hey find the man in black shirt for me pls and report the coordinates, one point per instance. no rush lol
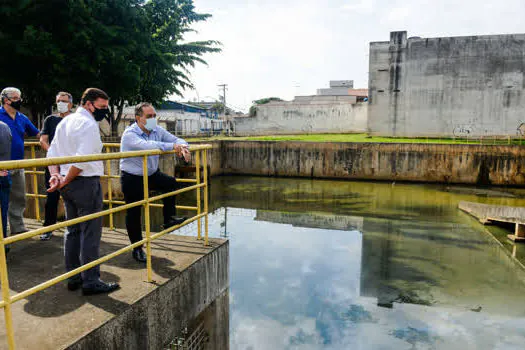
(64, 104)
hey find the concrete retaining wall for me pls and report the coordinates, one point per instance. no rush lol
(305, 117)
(157, 319)
(456, 86)
(466, 164)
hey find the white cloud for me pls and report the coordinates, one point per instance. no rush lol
(398, 15)
(361, 6)
(295, 47)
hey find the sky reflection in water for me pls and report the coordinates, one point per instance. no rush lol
(346, 265)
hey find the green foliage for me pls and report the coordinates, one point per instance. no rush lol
(132, 49)
(266, 100)
(253, 109)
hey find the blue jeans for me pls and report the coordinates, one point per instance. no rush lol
(5, 189)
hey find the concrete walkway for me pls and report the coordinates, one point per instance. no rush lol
(487, 214)
(56, 317)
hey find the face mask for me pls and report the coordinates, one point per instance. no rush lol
(16, 104)
(151, 123)
(100, 113)
(62, 107)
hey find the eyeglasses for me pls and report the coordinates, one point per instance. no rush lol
(15, 100)
(148, 116)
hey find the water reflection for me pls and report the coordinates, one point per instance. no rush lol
(350, 265)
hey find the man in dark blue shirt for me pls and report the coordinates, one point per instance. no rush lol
(5, 179)
(20, 125)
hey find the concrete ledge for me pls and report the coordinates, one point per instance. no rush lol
(487, 213)
(516, 239)
(189, 277)
(157, 318)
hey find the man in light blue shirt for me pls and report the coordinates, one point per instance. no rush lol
(144, 134)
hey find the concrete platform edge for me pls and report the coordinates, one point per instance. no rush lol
(153, 321)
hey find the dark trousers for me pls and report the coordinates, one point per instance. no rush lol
(83, 196)
(5, 189)
(51, 208)
(133, 189)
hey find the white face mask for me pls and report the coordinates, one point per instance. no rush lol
(62, 107)
(151, 123)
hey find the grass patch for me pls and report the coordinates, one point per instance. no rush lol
(367, 139)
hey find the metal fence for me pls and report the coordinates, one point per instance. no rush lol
(200, 152)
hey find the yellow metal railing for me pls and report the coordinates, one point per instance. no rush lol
(108, 147)
(200, 151)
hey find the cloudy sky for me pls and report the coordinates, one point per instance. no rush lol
(292, 47)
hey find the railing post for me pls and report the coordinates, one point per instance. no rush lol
(146, 217)
(35, 186)
(205, 167)
(110, 190)
(198, 176)
(5, 292)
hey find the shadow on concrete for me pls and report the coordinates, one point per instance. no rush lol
(32, 262)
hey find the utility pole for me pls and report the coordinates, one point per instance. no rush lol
(225, 223)
(224, 86)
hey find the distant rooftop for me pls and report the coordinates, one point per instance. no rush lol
(358, 92)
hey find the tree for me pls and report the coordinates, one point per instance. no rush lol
(132, 49)
(32, 57)
(160, 60)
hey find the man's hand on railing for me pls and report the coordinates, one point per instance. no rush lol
(178, 150)
(186, 154)
(182, 151)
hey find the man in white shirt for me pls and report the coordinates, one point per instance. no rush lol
(79, 185)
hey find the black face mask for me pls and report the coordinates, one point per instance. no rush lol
(16, 104)
(100, 113)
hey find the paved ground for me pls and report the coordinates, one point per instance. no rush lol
(55, 317)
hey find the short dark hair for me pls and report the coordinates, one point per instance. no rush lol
(139, 109)
(92, 94)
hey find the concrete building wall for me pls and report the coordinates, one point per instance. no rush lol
(313, 116)
(318, 99)
(337, 88)
(457, 86)
(342, 83)
(336, 91)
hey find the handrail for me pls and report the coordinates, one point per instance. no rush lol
(200, 150)
(105, 144)
(42, 162)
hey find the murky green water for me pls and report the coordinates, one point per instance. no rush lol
(356, 265)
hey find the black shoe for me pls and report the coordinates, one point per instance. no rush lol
(100, 287)
(46, 236)
(174, 221)
(139, 255)
(74, 284)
